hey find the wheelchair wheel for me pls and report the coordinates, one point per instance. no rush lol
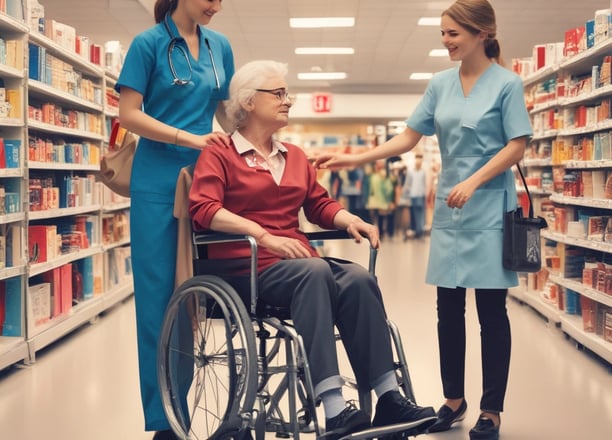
(207, 366)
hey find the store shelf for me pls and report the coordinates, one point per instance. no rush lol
(572, 325)
(12, 351)
(76, 100)
(38, 268)
(117, 294)
(587, 291)
(60, 326)
(565, 107)
(10, 272)
(534, 300)
(62, 212)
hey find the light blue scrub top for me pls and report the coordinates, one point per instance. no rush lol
(190, 107)
(466, 244)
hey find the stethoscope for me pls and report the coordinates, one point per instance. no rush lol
(172, 45)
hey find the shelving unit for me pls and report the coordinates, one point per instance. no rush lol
(63, 129)
(576, 125)
(14, 348)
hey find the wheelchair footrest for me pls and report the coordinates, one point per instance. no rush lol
(394, 432)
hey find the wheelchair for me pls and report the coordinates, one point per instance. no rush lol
(229, 366)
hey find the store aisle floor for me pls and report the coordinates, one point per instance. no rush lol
(85, 387)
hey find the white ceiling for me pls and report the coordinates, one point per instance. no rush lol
(388, 44)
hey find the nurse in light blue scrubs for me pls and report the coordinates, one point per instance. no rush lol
(477, 111)
(172, 83)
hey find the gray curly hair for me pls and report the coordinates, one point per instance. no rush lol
(245, 81)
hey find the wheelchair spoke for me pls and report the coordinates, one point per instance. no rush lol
(207, 317)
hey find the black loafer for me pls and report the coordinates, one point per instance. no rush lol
(350, 420)
(484, 429)
(447, 417)
(165, 435)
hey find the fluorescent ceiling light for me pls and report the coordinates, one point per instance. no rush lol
(423, 75)
(321, 75)
(324, 51)
(319, 22)
(438, 52)
(429, 21)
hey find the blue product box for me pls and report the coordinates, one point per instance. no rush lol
(589, 28)
(11, 151)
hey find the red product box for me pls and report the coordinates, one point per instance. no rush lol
(589, 313)
(38, 243)
(539, 56)
(572, 40)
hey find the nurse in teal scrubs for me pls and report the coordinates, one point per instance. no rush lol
(478, 113)
(174, 79)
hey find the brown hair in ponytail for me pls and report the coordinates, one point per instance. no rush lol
(478, 16)
(163, 7)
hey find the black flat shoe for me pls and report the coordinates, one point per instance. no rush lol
(165, 435)
(447, 417)
(484, 429)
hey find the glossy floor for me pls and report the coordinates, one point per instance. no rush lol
(85, 387)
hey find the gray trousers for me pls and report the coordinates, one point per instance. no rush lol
(321, 293)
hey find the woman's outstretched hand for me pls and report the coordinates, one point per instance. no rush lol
(333, 161)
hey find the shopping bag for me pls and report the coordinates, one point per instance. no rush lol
(116, 165)
(521, 244)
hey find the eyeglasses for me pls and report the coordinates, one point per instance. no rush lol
(281, 94)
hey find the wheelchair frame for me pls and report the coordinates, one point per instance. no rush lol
(234, 375)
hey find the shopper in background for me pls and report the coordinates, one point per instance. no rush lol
(174, 79)
(416, 180)
(381, 199)
(257, 188)
(478, 113)
(403, 204)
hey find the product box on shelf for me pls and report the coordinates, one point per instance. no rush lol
(38, 305)
(607, 333)
(575, 41)
(589, 313)
(53, 277)
(12, 307)
(589, 30)
(37, 16)
(42, 243)
(601, 25)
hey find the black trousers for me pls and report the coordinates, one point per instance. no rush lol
(495, 341)
(321, 293)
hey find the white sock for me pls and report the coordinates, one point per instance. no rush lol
(333, 402)
(386, 382)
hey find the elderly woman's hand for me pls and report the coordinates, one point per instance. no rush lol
(284, 247)
(359, 229)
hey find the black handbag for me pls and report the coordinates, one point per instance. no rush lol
(521, 246)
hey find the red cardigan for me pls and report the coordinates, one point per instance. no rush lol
(222, 178)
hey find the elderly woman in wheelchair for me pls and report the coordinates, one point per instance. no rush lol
(257, 188)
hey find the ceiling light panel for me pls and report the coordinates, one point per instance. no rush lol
(421, 75)
(308, 76)
(322, 22)
(429, 21)
(324, 51)
(438, 52)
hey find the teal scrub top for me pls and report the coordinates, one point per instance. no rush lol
(190, 107)
(466, 244)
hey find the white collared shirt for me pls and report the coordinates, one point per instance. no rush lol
(274, 163)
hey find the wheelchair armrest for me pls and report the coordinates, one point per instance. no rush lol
(203, 238)
(343, 235)
(206, 238)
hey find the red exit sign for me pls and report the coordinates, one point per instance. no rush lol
(321, 102)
